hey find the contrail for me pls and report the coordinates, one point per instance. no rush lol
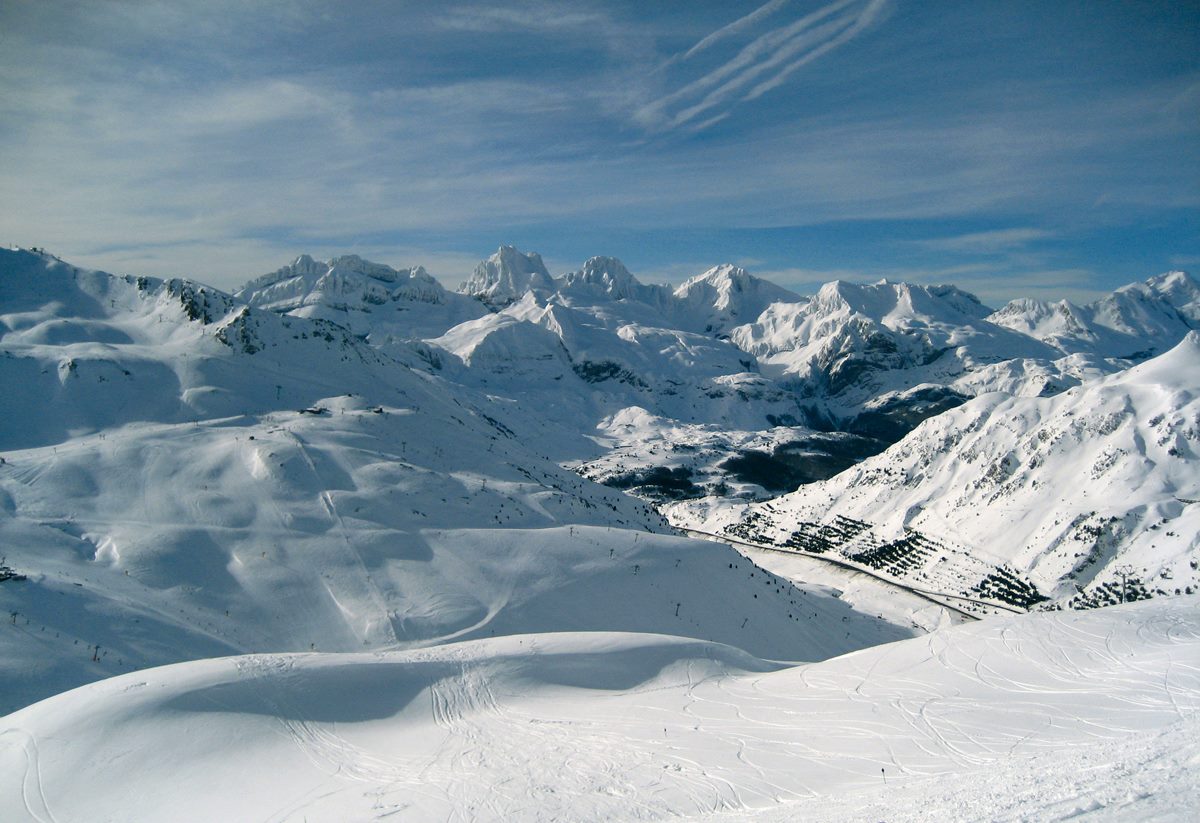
(807, 41)
(782, 50)
(736, 26)
(865, 19)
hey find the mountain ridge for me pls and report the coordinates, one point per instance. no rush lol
(1082, 498)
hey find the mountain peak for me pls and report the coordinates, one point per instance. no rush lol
(506, 275)
(723, 275)
(348, 266)
(606, 274)
(1179, 365)
(1168, 282)
(367, 298)
(731, 296)
(1178, 288)
(890, 298)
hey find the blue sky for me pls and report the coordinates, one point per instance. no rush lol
(1013, 148)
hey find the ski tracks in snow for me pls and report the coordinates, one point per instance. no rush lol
(24, 745)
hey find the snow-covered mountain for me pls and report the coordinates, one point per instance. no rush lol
(185, 476)
(371, 300)
(363, 493)
(507, 275)
(881, 357)
(605, 279)
(1134, 322)
(875, 359)
(1088, 497)
(726, 296)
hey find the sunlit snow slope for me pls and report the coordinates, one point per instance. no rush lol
(1036, 716)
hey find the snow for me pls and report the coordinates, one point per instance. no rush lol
(371, 300)
(577, 362)
(606, 278)
(726, 296)
(661, 458)
(507, 275)
(1134, 322)
(853, 342)
(1034, 716)
(875, 359)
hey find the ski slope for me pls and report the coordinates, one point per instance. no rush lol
(1029, 717)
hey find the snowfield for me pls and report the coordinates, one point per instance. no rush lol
(1089, 714)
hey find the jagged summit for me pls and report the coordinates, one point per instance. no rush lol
(859, 343)
(372, 300)
(506, 275)
(305, 265)
(606, 275)
(1179, 287)
(898, 301)
(342, 280)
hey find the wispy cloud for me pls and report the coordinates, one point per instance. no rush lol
(987, 242)
(761, 65)
(532, 16)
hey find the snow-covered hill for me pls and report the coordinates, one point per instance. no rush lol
(1087, 497)
(1033, 717)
